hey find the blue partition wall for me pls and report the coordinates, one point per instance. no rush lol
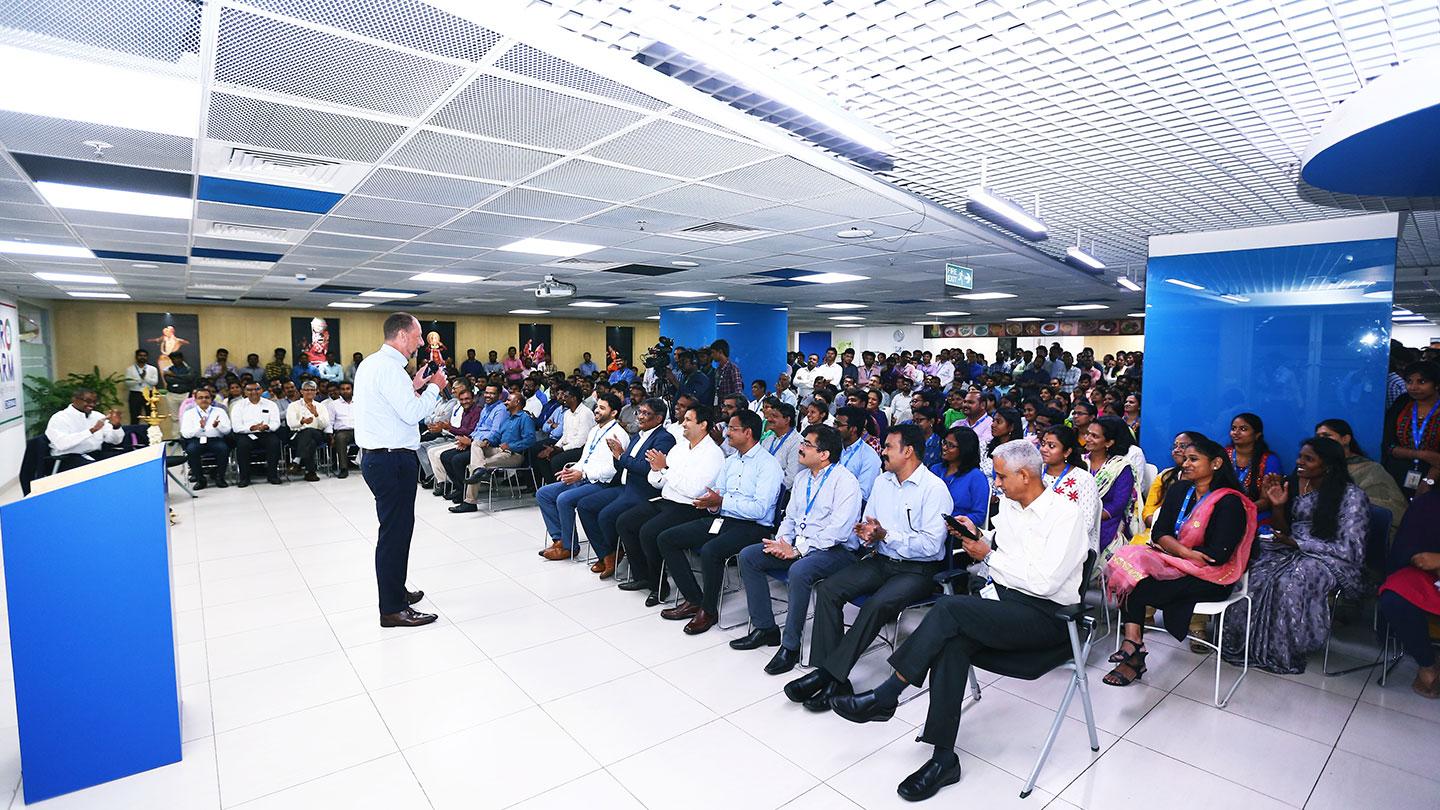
(1292, 326)
(756, 333)
(814, 343)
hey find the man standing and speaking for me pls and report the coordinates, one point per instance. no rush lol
(389, 407)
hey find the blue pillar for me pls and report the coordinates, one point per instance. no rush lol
(1290, 322)
(756, 333)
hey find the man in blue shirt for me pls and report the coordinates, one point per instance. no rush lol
(623, 374)
(743, 504)
(587, 366)
(857, 457)
(515, 436)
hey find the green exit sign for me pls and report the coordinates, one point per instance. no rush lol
(959, 276)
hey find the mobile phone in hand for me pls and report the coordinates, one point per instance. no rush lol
(960, 527)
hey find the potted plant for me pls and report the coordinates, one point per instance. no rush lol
(45, 398)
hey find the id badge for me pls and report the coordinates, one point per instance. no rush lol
(716, 524)
(204, 438)
(1412, 479)
(989, 592)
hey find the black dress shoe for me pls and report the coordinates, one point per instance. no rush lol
(343, 474)
(652, 600)
(756, 639)
(243, 482)
(426, 483)
(861, 708)
(927, 781)
(637, 585)
(274, 480)
(461, 508)
(821, 702)
(221, 483)
(785, 660)
(477, 475)
(199, 485)
(808, 685)
(411, 597)
(408, 617)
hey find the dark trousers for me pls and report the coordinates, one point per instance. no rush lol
(1410, 625)
(70, 461)
(247, 444)
(341, 441)
(801, 577)
(1174, 598)
(218, 449)
(956, 628)
(639, 530)
(599, 512)
(137, 407)
(455, 461)
(715, 549)
(892, 585)
(306, 441)
(391, 478)
(545, 468)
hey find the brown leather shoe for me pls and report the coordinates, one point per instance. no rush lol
(597, 566)
(409, 617)
(557, 552)
(684, 610)
(553, 544)
(703, 621)
(608, 570)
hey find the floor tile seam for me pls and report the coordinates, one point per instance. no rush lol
(1209, 705)
(305, 589)
(1367, 757)
(1203, 770)
(608, 681)
(317, 778)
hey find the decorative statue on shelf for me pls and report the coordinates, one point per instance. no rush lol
(435, 349)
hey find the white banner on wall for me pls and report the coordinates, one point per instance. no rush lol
(11, 406)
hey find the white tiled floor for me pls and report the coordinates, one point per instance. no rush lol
(542, 687)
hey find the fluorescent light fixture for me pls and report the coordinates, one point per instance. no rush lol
(98, 295)
(1006, 214)
(57, 86)
(949, 313)
(350, 304)
(686, 264)
(385, 294)
(688, 309)
(684, 294)
(1025, 319)
(840, 306)
(529, 312)
(447, 278)
(1411, 319)
(830, 278)
(114, 201)
(848, 325)
(1124, 281)
(75, 278)
(145, 265)
(1235, 299)
(230, 287)
(235, 264)
(38, 249)
(550, 247)
(924, 323)
(1084, 261)
(1082, 307)
(593, 304)
(652, 317)
(985, 296)
(1187, 285)
(847, 317)
(1135, 315)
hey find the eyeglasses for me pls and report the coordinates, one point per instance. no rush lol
(808, 443)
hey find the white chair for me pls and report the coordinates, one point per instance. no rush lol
(1213, 609)
(1149, 478)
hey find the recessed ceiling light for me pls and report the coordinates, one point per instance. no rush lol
(652, 317)
(114, 201)
(1136, 315)
(72, 89)
(925, 323)
(782, 309)
(37, 249)
(529, 312)
(550, 247)
(447, 278)
(231, 287)
(593, 304)
(686, 264)
(386, 294)
(1025, 319)
(687, 309)
(830, 278)
(145, 265)
(847, 317)
(75, 278)
(1082, 307)
(236, 264)
(949, 313)
(1124, 281)
(1187, 285)
(849, 325)
(985, 296)
(98, 295)
(839, 306)
(350, 305)
(855, 233)
(684, 294)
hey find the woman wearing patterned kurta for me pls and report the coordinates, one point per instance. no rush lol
(1066, 473)
(1320, 519)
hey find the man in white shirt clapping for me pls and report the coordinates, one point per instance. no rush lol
(254, 422)
(203, 429)
(309, 421)
(78, 435)
(591, 473)
(342, 427)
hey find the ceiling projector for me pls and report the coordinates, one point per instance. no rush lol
(550, 287)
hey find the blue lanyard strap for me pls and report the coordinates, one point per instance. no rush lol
(776, 443)
(809, 498)
(1417, 427)
(599, 438)
(1185, 510)
(849, 453)
(1059, 479)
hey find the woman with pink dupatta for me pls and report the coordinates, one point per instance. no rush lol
(1200, 545)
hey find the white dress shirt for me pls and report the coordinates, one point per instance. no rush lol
(901, 409)
(141, 378)
(196, 422)
(804, 381)
(1040, 549)
(297, 411)
(596, 463)
(688, 470)
(910, 513)
(244, 413)
(946, 372)
(69, 432)
(388, 410)
(789, 397)
(342, 414)
(832, 372)
(577, 425)
(984, 429)
(822, 511)
(785, 450)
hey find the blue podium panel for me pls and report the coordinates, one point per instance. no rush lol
(87, 574)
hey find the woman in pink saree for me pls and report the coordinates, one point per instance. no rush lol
(1200, 545)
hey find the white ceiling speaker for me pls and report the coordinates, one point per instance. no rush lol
(550, 287)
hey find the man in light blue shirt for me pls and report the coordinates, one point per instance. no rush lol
(743, 500)
(587, 366)
(389, 407)
(857, 457)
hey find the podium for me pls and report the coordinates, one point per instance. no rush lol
(92, 628)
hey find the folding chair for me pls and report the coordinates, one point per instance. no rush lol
(1213, 609)
(1377, 536)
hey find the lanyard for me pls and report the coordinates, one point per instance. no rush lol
(777, 442)
(846, 455)
(1243, 473)
(1059, 479)
(810, 499)
(599, 438)
(1417, 427)
(1185, 509)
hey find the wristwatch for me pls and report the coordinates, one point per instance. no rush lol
(1429, 482)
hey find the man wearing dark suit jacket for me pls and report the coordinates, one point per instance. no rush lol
(599, 511)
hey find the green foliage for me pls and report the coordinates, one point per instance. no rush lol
(44, 398)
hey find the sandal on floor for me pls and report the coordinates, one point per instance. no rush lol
(1120, 654)
(1135, 663)
(1433, 693)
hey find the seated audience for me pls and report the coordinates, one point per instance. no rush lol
(1068, 475)
(1370, 476)
(925, 420)
(1036, 557)
(959, 469)
(1320, 519)
(1163, 481)
(254, 426)
(309, 422)
(439, 431)
(815, 413)
(203, 430)
(342, 426)
(743, 497)
(1410, 596)
(1005, 425)
(1251, 457)
(79, 435)
(517, 434)
(858, 457)
(576, 422)
(780, 439)
(1108, 443)
(1199, 549)
(1412, 433)
(600, 511)
(456, 448)
(592, 471)
(903, 533)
